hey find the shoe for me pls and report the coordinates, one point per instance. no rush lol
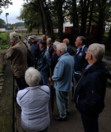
(58, 118)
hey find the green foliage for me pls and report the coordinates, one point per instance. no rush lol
(4, 40)
(2, 23)
(29, 14)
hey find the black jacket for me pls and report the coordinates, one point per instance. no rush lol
(90, 90)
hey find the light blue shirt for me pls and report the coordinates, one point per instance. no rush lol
(79, 49)
(63, 72)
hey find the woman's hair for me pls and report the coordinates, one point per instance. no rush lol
(97, 51)
(32, 76)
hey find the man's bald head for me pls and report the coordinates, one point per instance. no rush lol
(44, 37)
(66, 41)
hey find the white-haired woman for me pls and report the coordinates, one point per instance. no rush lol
(90, 90)
(33, 101)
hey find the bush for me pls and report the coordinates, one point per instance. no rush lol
(4, 46)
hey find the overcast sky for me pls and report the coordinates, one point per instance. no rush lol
(13, 10)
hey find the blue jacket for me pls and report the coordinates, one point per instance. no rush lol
(63, 72)
(80, 61)
(90, 90)
(51, 50)
(35, 50)
(69, 49)
(43, 62)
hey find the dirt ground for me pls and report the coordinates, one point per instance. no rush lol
(74, 123)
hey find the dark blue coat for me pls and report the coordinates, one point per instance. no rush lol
(51, 50)
(69, 49)
(90, 91)
(54, 60)
(80, 61)
(35, 50)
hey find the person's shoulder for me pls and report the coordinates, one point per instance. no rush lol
(21, 93)
(45, 88)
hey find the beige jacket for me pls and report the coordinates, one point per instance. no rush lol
(18, 56)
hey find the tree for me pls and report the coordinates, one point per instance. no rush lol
(31, 20)
(2, 23)
(5, 4)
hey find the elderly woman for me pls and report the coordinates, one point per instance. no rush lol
(33, 101)
(90, 90)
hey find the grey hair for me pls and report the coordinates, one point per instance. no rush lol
(49, 39)
(32, 76)
(56, 43)
(14, 36)
(97, 51)
(82, 38)
(62, 47)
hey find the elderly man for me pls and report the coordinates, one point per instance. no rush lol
(69, 48)
(90, 91)
(43, 62)
(17, 53)
(43, 37)
(80, 61)
(50, 46)
(62, 78)
(35, 47)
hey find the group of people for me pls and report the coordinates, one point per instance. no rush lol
(54, 62)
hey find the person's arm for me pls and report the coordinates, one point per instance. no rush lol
(9, 54)
(47, 62)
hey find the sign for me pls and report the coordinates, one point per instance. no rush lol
(13, 27)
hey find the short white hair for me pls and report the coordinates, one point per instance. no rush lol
(14, 36)
(32, 76)
(49, 39)
(97, 51)
(56, 43)
(62, 47)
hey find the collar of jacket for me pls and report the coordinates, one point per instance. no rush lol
(17, 41)
(98, 66)
(64, 54)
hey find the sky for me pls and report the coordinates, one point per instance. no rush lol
(13, 10)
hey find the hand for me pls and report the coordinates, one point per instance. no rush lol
(80, 74)
(50, 79)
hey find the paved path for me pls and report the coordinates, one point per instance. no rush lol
(74, 124)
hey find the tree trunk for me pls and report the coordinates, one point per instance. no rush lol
(41, 18)
(101, 20)
(60, 19)
(75, 19)
(49, 29)
(84, 17)
(90, 18)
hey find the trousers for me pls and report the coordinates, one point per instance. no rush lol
(90, 124)
(62, 99)
(21, 84)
